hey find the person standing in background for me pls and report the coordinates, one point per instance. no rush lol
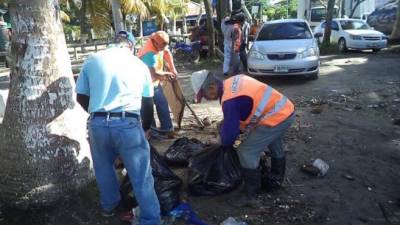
(244, 46)
(227, 28)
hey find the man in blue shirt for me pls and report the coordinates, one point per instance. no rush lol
(110, 87)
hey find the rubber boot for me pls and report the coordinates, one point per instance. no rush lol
(277, 174)
(252, 184)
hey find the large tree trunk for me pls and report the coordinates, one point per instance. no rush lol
(210, 28)
(396, 27)
(117, 15)
(44, 154)
(328, 27)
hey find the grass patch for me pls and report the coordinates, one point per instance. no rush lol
(328, 49)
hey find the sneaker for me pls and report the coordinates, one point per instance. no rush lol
(159, 130)
(162, 135)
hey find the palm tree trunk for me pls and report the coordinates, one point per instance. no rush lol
(199, 16)
(117, 15)
(44, 154)
(210, 28)
(174, 25)
(140, 26)
(328, 27)
(83, 25)
(184, 25)
(396, 27)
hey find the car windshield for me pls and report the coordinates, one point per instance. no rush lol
(354, 25)
(283, 31)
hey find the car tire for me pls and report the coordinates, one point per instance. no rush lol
(376, 50)
(342, 45)
(312, 76)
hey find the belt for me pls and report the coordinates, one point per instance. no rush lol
(116, 114)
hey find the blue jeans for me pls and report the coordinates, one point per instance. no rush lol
(110, 137)
(259, 139)
(162, 109)
(227, 58)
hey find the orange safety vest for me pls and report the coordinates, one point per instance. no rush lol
(269, 106)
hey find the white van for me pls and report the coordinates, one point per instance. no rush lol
(318, 14)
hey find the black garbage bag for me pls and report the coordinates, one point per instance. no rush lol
(166, 183)
(181, 150)
(214, 171)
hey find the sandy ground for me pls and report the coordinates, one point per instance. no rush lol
(346, 118)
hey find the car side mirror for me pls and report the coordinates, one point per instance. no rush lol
(335, 28)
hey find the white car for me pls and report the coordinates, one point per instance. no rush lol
(353, 34)
(284, 47)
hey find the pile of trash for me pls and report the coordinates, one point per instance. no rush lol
(212, 170)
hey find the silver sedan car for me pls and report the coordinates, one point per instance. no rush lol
(284, 47)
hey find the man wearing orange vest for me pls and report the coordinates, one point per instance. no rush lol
(264, 115)
(154, 54)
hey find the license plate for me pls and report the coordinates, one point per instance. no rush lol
(205, 47)
(281, 69)
(373, 45)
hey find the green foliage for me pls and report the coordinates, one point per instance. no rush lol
(280, 11)
(72, 11)
(72, 28)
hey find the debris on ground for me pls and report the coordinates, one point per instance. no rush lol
(179, 153)
(233, 221)
(348, 177)
(317, 168)
(316, 110)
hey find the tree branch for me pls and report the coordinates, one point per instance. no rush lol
(353, 10)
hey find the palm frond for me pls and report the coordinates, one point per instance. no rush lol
(137, 7)
(64, 16)
(99, 11)
(177, 8)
